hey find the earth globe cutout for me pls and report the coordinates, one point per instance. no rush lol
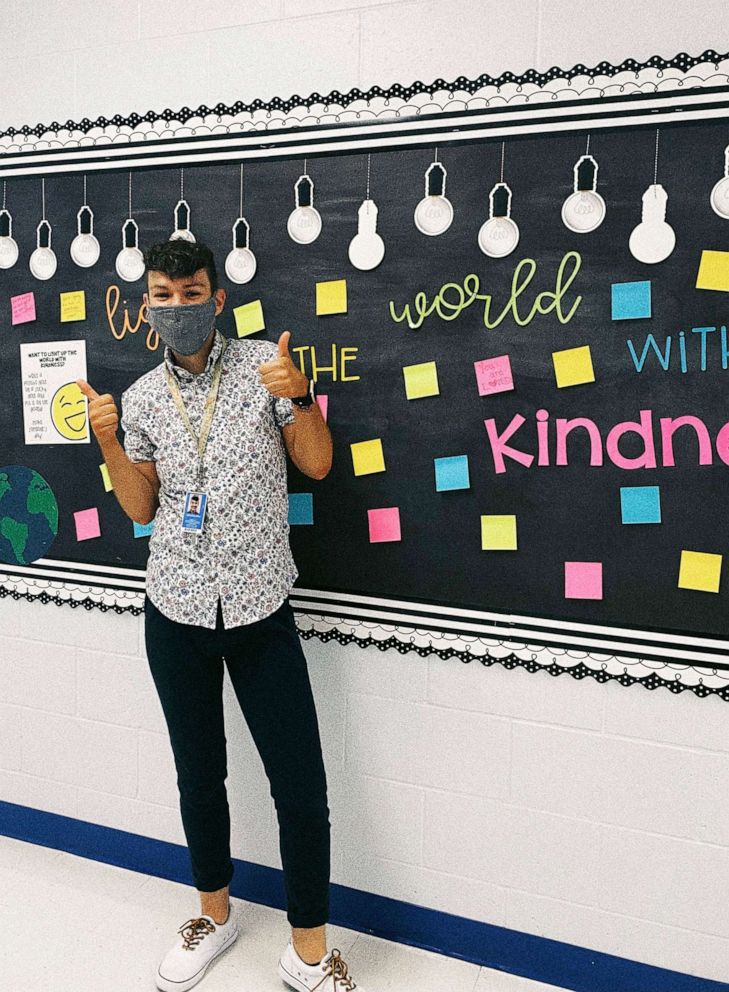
(28, 515)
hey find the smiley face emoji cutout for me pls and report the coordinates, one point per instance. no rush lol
(68, 412)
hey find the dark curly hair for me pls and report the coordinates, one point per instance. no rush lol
(177, 258)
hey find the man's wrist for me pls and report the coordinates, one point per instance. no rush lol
(307, 399)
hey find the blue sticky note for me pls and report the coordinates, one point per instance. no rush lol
(301, 508)
(451, 473)
(631, 300)
(640, 504)
(143, 530)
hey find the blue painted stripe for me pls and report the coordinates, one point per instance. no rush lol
(537, 958)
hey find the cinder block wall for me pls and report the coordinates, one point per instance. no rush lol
(592, 814)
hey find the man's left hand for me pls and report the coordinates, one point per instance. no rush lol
(280, 376)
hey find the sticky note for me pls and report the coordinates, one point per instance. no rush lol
(87, 524)
(249, 318)
(493, 375)
(699, 570)
(384, 524)
(367, 456)
(331, 296)
(631, 300)
(22, 308)
(143, 530)
(573, 366)
(323, 401)
(498, 532)
(713, 271)
(583, 580)
(421, 380)
(640, 504)
(105, 476)
(301, 508)
(73, 306)
(451, 473)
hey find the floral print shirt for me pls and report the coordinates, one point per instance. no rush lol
(243, 556)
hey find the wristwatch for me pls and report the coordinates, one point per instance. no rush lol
(307, 399)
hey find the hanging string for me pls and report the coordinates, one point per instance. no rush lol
(240, 212)
(368, 177)
(130, 194)
(5, 186)
(655, 164)
(502, 162)
(43, 194)
(436, 154)
(587, 148)
(85, 204)
(304, 166)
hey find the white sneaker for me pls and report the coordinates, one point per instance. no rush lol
(330, 975)
(202, 941)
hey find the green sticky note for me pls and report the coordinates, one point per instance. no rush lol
(421, 380)
(249, 318)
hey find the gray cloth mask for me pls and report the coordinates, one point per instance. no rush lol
(186, 327)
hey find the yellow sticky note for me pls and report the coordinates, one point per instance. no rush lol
(699, 570)
(105, 476)
(713, 270)
(498, 532)
(73, 306)
(249, 318)
(573, 366)
(331, 296)
(367, 457)
(421, 380)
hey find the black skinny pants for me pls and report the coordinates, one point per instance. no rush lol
(268, 671)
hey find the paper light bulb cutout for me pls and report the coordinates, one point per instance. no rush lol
(182, 230)
(240, 262)
(720, 192)
(434, 213)
(366, 249)
(85, 249)
(304, 223)
(8, 246)
(499, 235)
(43, 261)
(130, 261)
(584, 210)
(653, 239)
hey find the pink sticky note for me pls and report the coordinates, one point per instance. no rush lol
(87, 524)
(384, 524)
(583, 580)
(323, 402)
(22, 308)
(493, 375)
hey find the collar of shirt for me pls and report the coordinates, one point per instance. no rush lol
(183, 374)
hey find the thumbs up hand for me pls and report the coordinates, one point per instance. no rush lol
(280, 376)
(103, 414)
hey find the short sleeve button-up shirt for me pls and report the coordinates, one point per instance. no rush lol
(243, 556)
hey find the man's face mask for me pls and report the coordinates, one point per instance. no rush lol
(186, 327)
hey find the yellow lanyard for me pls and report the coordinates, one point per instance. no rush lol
(208, 411)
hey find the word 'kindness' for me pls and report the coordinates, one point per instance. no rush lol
(500, 449)
(452, 298)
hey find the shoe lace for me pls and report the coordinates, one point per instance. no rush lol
(194, 930)
(337, 968)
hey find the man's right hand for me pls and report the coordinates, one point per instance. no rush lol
(103, 414)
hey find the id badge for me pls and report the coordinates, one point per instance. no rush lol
(194, 512)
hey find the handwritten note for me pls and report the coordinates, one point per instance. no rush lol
(249, 318)
(421, 380)
(73, 306)
(573, 366)
(493, 375)
(22, 308)
(384, 524)
(498, 532)
(54, 408)
(367, 456)
(700, 570)
(331, 296)
(87, 524)
(583, 580)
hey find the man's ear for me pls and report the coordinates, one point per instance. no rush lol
(219, 300)
(145, 299)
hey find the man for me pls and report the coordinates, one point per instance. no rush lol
(205, 426)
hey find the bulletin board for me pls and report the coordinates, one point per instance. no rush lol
(531, 440)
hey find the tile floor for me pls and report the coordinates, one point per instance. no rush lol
(69, 924)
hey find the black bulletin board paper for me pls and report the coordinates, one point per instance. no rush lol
(564, 513)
